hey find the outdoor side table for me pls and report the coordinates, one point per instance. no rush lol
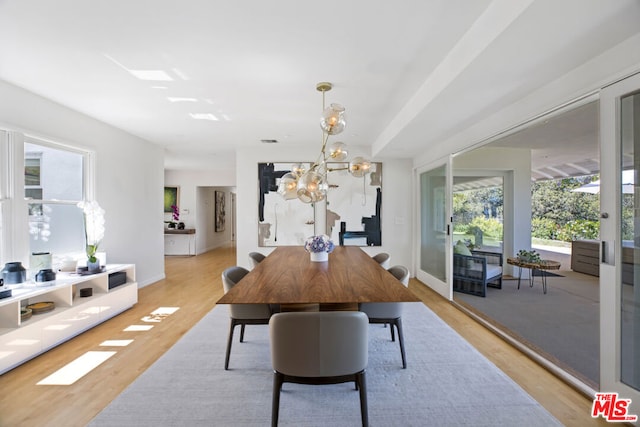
(542, 266)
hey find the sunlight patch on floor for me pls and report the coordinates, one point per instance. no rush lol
(78, 368)
(84, 364)
(160, 314)
(115, 343)
(137, 328)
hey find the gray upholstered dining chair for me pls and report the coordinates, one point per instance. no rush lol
(390, 312)
(255, 258)
(383, 259)
(326, 347)
(241, 314)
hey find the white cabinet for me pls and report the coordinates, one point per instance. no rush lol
(180, 242)
(21, 340)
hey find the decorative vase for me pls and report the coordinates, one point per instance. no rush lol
(319, 256)
(39, 261)
(93, 266)
(14, 273)
(45, 275)
(181, 226)
(172, 225)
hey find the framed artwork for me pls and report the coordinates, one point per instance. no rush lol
(171, 198)
(353, 210)
(219, 214)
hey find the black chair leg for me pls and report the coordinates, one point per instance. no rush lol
(398, 323)
(393, 332)
(364, 410)
(242, 332)
(232, 325)
(278, 379)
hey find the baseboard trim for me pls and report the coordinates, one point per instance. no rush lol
(151, 281)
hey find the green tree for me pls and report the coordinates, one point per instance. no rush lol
(554, 202)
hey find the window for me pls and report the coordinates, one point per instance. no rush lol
(32, 187)
(54, 183)
(4, 195)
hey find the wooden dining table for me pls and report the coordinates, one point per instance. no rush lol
(288, 277)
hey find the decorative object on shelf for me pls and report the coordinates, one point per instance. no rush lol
(181, 226)
(86, 292)
(529, 256)
(25, 314)
(319, 247)
(45, 275)
(14, 273)
(41, 307)
(84, 271)
(39, 261)
(116, 279)
(311, 185)
(69, 264)
(93, 231)
(175, 217)
(4, 293)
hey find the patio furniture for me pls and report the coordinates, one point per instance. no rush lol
(542, 266)
(473, 273)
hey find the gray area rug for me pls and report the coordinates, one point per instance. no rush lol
(447, 383)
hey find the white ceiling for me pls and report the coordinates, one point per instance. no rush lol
(410, 72)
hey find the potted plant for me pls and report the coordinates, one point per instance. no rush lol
(93, 231)
(529, 256)
(175, 216)
(319, 247)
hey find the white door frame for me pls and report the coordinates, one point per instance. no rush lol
(611, 249)
(444, 288)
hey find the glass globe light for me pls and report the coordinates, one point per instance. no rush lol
(297, 169)
(333, 119)
(359, 167)
(338, 151)
(288, 186)
(311, 187)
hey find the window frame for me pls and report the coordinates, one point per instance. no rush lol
(87, 181)
(14, 213)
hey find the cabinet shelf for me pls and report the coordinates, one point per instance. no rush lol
(180, 242)
(21, 340)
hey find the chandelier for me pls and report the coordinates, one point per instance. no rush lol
(310, 185)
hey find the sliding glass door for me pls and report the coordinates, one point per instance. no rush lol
(434, 216)
(620, 250)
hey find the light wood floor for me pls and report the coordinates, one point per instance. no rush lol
(193, 284)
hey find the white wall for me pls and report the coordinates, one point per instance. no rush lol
(396, 200)
(129, 175)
